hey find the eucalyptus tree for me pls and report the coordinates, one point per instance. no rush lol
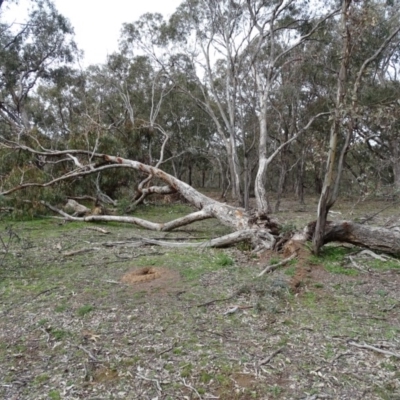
(357, 22)
(33, 51)
(227, 43)
(262, 54)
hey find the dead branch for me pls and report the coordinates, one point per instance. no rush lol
(355, 265)
(154, 226)
(208, 303)
(273, 267)
(191, 388)
(373, 255)
(75, 252)
(269, 358)
(93, 228)
(370, 237)
(373, 348)
(91, 356)
(151, 380)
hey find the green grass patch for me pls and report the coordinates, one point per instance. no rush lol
(86, 309)
(331, 254)
(54, 395)
(223, 260)
(339, 269)
(333, 260)
(290, 271)
(59, 334)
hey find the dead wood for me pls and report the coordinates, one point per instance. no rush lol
(373, 348)
(269, 358)
(370, 237)
(258, 228)
(93, 228)
(75, 252)
(77, 209)
(273, 267)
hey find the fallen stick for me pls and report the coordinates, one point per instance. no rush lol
(75, 252)
(101, 230)
(269, 358)
(373, 255)
(150, 380)
(273, 267)
(377, 349)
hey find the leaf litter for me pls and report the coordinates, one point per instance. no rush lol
(81, 327)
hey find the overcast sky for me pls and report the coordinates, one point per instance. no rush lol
(97, 23)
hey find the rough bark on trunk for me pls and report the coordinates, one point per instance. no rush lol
(371, 237)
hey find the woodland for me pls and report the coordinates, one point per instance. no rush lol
(254, 99)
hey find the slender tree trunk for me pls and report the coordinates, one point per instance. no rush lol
(328, 194)
(263, 206)
(203, 178)
(281, 185)
(190, 174)
(394, 145)
(234, 171)
(300, 180)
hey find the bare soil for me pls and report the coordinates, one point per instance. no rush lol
(88, 315)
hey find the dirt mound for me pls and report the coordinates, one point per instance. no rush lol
(142, 275)
(149, 278)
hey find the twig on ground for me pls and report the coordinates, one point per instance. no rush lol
(231, 310)
(45, 291)
(75, 252)
(163, 352)
(334, 359)
(91, 356)
(390, 308)
(377, 349)
(153, 253)
(46, 333)
(192, 388)
(101, 230)
(235, 308)
(355, 265)
(215, 301)
(269, 358)
(373, 255)
(151, 380)
(273, 267)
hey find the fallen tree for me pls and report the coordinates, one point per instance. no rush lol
(260, 229)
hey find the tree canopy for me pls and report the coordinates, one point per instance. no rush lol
(248, 97)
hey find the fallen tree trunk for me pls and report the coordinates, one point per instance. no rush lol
(260, 229)
(371, 237)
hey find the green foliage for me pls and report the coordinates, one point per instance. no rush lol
(288, 227)
(333, 259)
(54, 395)
(86, 309)
(223, 260)
(290, 271)
(59, 334)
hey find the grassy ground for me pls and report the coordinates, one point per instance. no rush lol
(74, 327)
